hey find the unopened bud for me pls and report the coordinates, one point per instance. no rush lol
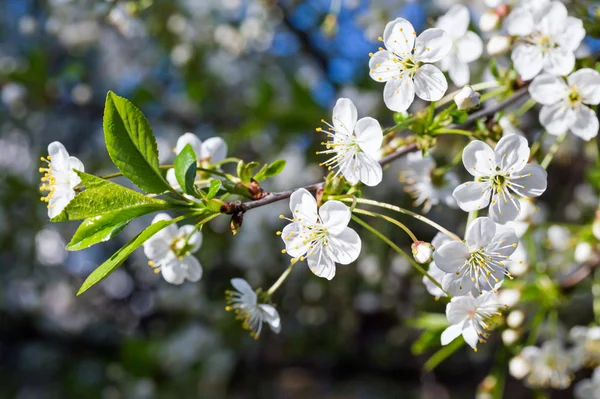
(509, 337)
(236, 222)
(467, 98)
(489, 21)
(583, 252)
(515, 318)
(498, 45)
(422, 251)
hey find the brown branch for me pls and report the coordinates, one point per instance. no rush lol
(278, 196)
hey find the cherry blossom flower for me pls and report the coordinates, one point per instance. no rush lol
(586, 345)
(563, 103)
(588, 388)
(322, 235)
(466, 45)
(434, 271)
(498, 174)
(425, 184)
(59, 178)
(355, 145)
(478, 264)
(471, 317)
(548, 38)
(207, 152)
(244, 302)
(170, 252)
(406, 67)
(550, 366)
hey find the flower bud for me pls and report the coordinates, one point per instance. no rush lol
(583, 252)
(422, 251)
(498, 45)
(489, 21)
(518, 367)
(467, 98)
(509, 337)
(515, 318)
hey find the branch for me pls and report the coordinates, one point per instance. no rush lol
(278, 196)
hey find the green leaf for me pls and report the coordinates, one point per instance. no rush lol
(185, 169)
(104, 227)
(119, 257)
(131, 144)
(427, 340)
(101, 197)
(276, 168)
(459, 116)
(240, 168)
(214, 188)
(247, 171)
(262, 173)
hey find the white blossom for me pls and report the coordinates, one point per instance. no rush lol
(589, 388)
(354, 144)
(466, 45)
(586, 345)
(499, 174)
(498, 44)
(564, 106)
(550, 366)
(489, 21)
(425, 184)
(480, 262)
(322, 235)
(170, 251)
(244, 302)
(467, 98)
(405, 64)
(207, 152)
(434, 271)
(471, 317)
(548, 39)
(59, 178)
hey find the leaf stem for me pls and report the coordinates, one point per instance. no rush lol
(552, 151)
(282, 278)
(442, 130)
(443, 354)
(388, 219)
(400, 125)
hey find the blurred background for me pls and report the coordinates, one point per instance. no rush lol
(261, 74)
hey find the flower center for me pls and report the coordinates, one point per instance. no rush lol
(482, 267)
(342, 144)
(248, 313)
(409, 64)
(482, 317)
(574, 98)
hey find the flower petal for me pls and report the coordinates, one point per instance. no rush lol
(271, 317)
(457, 285)
(214, 149)
(59, 202)
(504, 243)
(586, 123)
(335, 216)
(156, 249)
(548, 89)
(369, 171)
(572, 35)
(459, 309)
(384, 65)
(321, 265)
(369, 135)
(470, 334)
(512, 153)
(440, 239)
(587, 83)
(455, 22)
(557, 118)
(172, 271)
(554, 19)
(480, 233)
(472, 196)
(192, 268)
(432, 45)
(399, 94)
(470, 47)
(528, 60)
(430, 83)
(451, 333)
(504, 208)
(559, 61)
(244, 288)
(479, 159)
(399, 36)
(304, 205)
(294, 236)
(451, 256)
(520, 22)
(344, 116)
(59, 157)
(191, 139)
(168, 233)
(194, 241)
(458, 70)
(531, 181)
(345, 247)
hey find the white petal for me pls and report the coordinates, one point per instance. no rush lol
(344, 116)
(480, 232)
(192, 267)
(335, 216)
(451, 333)
(459, 309)
(554, 19)
(369, 170)
(451, 256)
(528, 60)
(271, 317)
(520, 22)
(383, 67)
(399, 36)
(548, 89)
(430, 83)
(512, 153)
(470, 335)
(321, 265)
(557, 118)
(171, 178)
(399, 94)
(294, 238)
(345, 247)
(504, 243)
(173, 272)
(479, 158)
(472, 196)
(455, 22)
(59, 157)
(75, 163)
(572, 35)
(369, 135)
(586, 123)
(195, 240)
(457, 285)
(156, 249)
(432, 45)
(303, 205)
(440, 239)
(168, 233)
(559, 61)
(458, 70)
(533, 179)
(58, 202)
(214, 149)
(504, 208)
(470, 47)
(244, 288)
(587, 83)
(191, 139)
